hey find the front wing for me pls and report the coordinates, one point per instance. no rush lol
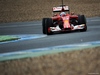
(76, 27)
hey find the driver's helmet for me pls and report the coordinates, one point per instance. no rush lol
(62, 14)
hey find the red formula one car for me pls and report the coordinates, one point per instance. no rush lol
(63, 21)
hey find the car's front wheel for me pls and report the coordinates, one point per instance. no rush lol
(48, 24)
(43, 25)
(82, 20)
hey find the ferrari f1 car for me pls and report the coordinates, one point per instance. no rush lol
(63, 21)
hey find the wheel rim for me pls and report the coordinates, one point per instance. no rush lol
(49, 30)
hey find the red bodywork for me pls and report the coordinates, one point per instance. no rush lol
(65, 19)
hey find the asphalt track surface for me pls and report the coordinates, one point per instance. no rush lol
(35, 27)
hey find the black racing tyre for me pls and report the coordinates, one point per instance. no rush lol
(48, 24)
(43, 25)
(82, 20)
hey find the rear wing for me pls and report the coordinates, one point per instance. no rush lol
(60, 8)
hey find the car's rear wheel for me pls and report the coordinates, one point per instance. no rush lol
(48, 24)
(82, 20)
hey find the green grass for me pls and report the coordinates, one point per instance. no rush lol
(7, 38)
